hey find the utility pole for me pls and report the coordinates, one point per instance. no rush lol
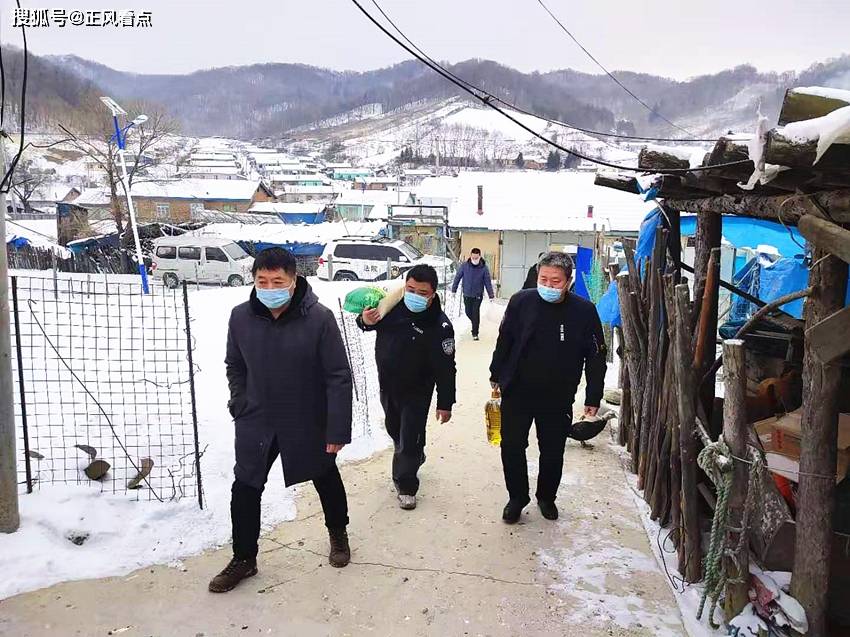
(9, 516)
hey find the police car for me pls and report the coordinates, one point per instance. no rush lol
(366, 259)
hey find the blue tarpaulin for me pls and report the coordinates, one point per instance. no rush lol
(18, 242)
(609, 305)
(584, 262)
(302, 217)
(743, 232)
(297, 249)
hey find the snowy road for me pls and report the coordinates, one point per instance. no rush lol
(451, 567)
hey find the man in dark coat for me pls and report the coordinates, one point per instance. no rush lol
(476, 279)
(547, 336)
(531, 277)
(415, 351)
(290, 395)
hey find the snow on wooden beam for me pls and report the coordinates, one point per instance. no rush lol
(655, 157)
(834, 203)
(617, 181)
(786, 150)
(810, 102)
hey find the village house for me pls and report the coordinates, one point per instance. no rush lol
(175, 201)
(354, 205)
(374, 183)
(514, 216)
(293, 193)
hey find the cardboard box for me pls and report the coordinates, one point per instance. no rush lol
(782, 440)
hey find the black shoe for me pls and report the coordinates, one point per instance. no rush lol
(549, 510)
(232, 574)
(475, 337)
(340, 554)
(512, 512)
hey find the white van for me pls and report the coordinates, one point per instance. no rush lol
(201, 260)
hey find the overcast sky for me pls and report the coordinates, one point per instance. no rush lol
(675, 38)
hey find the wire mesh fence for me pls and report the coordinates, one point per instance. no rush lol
(104, 387)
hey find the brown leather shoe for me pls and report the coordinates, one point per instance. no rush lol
(340, 554)
(232, 574)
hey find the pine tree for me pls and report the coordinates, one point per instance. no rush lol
(519, 162)
(571, 161)
(554, 161)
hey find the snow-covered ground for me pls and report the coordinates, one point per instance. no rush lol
(124, 533)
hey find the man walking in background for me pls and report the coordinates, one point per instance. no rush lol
(531, 277)
(290, 395)
(475, 276)
(547, 337)
(415, 351)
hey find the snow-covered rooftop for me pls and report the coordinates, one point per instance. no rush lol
(372, 197)
(291, 233)
(208, 189)
(531, 200)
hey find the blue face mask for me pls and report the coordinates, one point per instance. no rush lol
(415, 303)
(550, 295)
(274, 299)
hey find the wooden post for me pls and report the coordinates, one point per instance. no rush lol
(675, 457)
(674, 240)
(708, 235)
(816, 495)
(690, 554)
(625, 400)
(735, 434)
(632, 356)
(705, 338)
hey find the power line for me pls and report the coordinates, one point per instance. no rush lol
(5, 185)
(488, 100)
(607, 72)
(529, 113)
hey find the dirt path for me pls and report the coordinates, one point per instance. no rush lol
(451, 567)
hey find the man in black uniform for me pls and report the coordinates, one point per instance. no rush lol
(547, 336)
(415, 350)
(531, 277)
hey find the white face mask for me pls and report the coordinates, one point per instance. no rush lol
(476, 260)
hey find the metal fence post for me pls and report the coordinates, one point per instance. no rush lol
(192, 392)
(330, 267)
(21, 387)
(389, 267)
(55, 276)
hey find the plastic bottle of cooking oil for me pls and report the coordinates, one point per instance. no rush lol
(493, 418)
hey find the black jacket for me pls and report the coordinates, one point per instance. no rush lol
(416, 351)
(577, 338)
(289, 378)
(531, 279)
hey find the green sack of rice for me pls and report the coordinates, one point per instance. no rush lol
(363, 299)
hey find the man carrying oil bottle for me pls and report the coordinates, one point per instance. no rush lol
(548, 335)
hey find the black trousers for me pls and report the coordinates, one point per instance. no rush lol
(553, 426)
(406, 418)
(472, 305)
(245, 507)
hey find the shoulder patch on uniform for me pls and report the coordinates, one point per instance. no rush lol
(449, 346)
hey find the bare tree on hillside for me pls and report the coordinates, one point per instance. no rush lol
(90, 131)
(27, 181)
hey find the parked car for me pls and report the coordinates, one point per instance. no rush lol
(201, 260)
(365, 259)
